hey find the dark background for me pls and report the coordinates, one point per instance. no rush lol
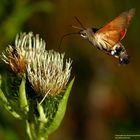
(105, 99)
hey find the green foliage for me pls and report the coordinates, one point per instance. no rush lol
(40, 119)
(9, 93)
(60, 112)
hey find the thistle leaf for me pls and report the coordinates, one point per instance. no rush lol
(5, 102)
(22, 96)
(61, 110)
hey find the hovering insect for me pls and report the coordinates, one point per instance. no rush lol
(108, 37)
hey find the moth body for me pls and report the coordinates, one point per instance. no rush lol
(108, 38)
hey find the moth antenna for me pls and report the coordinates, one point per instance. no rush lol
(79, 22)
(64, 37)
(79, 28)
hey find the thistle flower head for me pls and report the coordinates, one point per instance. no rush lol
(16, 62)
(47, 72)
(25, 44)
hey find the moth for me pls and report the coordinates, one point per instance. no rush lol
(108, 38)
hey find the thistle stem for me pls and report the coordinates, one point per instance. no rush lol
(28, 130)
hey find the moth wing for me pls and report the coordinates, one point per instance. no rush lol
(114, 31)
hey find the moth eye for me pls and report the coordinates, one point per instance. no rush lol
(84, 35)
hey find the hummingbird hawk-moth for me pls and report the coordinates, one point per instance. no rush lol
(108, 38)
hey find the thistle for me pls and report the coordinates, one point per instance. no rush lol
(47, 74)
(37, 82)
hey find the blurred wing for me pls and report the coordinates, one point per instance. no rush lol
(115, 30)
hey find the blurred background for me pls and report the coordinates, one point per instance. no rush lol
(105, 99)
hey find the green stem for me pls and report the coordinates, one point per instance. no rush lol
(31, 132)
(28, 130)
(42, 120)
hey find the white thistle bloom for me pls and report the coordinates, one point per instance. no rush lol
(46, 70)
(48, 74)
(25, 46)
